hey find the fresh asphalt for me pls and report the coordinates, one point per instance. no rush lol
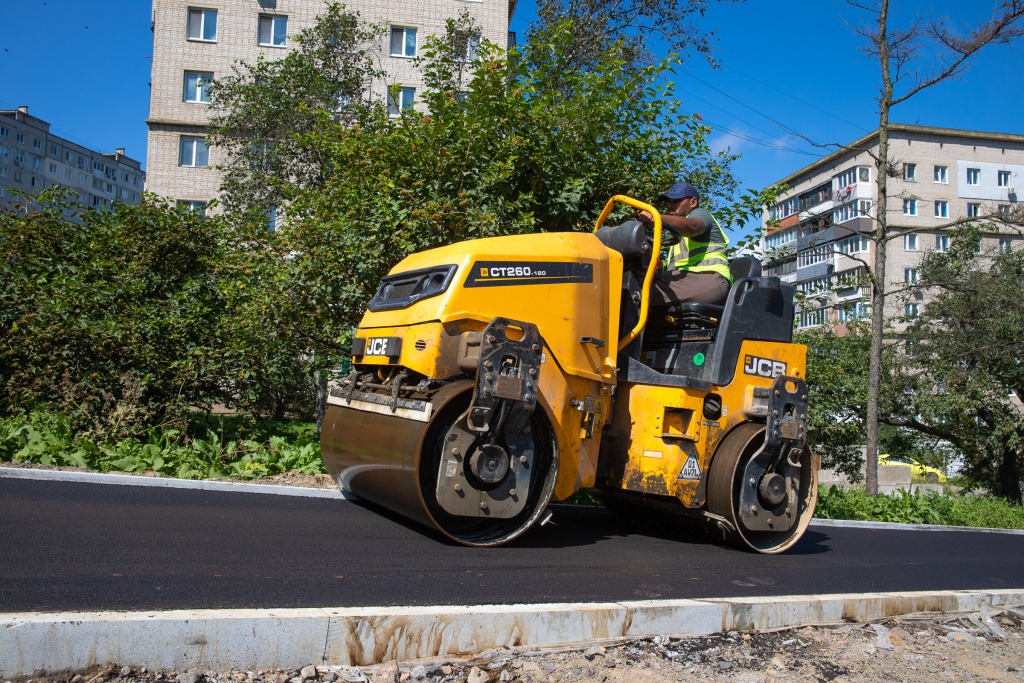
(73, 546)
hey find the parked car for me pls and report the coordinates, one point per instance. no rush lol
(918, 471)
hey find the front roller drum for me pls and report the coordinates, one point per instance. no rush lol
(394, 460)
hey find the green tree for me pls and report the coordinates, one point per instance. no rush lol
(965, 374)
(898, 52)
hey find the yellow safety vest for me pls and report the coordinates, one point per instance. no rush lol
(702, 257)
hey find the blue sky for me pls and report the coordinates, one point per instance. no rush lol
(87, 73)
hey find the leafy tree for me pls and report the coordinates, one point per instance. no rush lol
(110, 320)
(630, 23)
(264, 109)
(897, 52)
(964, 377)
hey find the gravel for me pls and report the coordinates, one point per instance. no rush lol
(988, 646)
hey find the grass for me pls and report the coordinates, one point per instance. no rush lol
(212, 448)
(949, 509)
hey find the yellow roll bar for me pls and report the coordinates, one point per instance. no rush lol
(645, 296)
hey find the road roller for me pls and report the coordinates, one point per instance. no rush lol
(494, 377)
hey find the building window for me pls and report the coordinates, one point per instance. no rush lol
(812, 318)
(53, 168)
(942, 243)
(69, 174)
(3, 171)
(54, 151)
(1004, 209)
(851, 312)
(197, 86)
(864, 173)
(20, 137)
(910, 171)
(940, 174)
(973, 210)
(190, 205)
(273, 30)
(468, 51)
(941, 209)
(1003, 179)
(5, 132)
(403, 42)
(193, 152)
(202, 24)
(910, 276)
(1005, 245)
(404, 100)
(909, 207)
(973, 176)
(38, 144)
(911, 310)
(4, 151)
(273, 219)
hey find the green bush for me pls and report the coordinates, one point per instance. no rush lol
(917, 508)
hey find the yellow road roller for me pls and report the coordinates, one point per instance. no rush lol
(495, 376)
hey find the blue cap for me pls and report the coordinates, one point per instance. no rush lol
(681, 190)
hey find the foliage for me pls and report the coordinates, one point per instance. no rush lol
(111, 319)
(916, 508)
(631, 23)
(47, 439)
(965, 374)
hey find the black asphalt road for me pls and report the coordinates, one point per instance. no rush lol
(69, 546)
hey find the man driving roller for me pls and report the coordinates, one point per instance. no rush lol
(697, 269)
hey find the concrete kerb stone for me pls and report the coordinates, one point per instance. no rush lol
(32, 643)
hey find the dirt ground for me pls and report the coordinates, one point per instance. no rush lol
(926, 649)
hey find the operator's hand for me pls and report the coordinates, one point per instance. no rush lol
(645, 217)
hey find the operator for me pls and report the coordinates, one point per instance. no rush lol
(698, 269)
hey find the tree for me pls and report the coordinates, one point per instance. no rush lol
(630, 23)
(964, 378)
(898, 52)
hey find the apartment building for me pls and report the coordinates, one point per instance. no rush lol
(197, 41)
(937, 175)
(32, 159)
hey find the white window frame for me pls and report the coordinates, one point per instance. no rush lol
(942, 243)
(1004, 178)
(973, 209)
(910, 207)
(199, 93)
(941, 175)
(910, 172)
(1005, 245)
(911, 310)
(271, 20)
(974, 176)
(192, 143)
(403, 43)
(406, 100)
(202, 14)
(941, 208)
(193, 205)
(910, 276)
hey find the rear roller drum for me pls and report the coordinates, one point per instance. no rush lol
(486, 468)
(774, 512)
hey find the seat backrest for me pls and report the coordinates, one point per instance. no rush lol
(744, 266)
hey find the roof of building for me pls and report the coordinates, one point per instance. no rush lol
(865, 142)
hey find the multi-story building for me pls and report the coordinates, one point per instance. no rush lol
(33, 159)
(937, 175)
(197, 41)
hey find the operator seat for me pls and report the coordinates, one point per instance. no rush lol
(699, 315)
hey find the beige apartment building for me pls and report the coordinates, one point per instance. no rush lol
(195, 42)
(32, 158)
(940, 174)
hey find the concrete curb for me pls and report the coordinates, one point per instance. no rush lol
(117, 479)
(114, 478)
(31, 643)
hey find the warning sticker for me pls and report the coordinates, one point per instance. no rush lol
(691, 469)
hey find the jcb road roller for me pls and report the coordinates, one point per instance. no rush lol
(492, 377)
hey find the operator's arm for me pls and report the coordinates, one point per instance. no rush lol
(681, 225)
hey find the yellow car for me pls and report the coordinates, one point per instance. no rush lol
(918, 471)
